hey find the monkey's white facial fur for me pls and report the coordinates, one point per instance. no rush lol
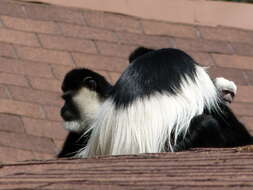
(227, 88)
(73, 126)
(87, 103)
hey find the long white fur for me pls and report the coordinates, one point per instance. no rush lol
(146, 124)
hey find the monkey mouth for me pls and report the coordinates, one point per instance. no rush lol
(73, 126)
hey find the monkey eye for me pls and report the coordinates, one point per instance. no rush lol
(228, 92)
(90, 83)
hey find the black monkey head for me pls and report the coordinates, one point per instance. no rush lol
(83, 92)
(85, 78)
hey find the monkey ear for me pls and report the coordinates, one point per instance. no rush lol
(90, 83)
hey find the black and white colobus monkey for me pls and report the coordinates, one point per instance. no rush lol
(83, 92)
(164, 101)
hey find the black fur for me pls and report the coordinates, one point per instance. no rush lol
(69, 110)
(138, 52)
(73, 143)
(74, 80)
(215, 130)
(163, 72)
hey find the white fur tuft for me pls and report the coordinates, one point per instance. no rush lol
(224, 84)
(146, 124)
(88, 103)
(73, 126)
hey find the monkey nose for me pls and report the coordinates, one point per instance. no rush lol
(67, 115)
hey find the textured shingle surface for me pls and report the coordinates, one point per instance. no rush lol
(199, 169)
(40, 43)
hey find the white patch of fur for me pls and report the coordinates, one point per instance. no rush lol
(88, 104)
(224, 84)
(73, 126)
(146, 124)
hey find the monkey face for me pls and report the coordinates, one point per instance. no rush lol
(83, 93)
(69, 111)
(226, 88)
(79, 109)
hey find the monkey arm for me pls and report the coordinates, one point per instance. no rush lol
(215, 130)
